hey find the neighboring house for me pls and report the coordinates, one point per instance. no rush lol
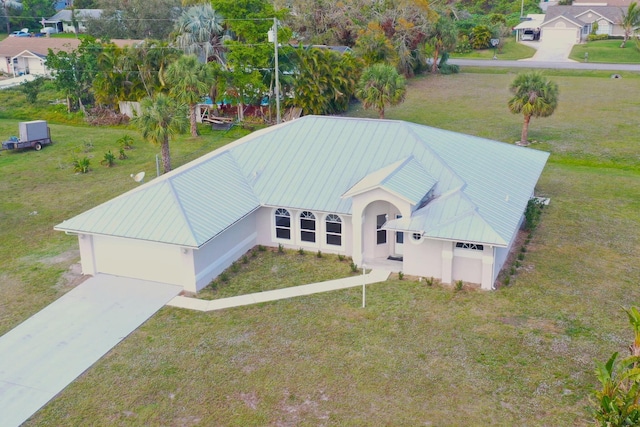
(574, 23)
(390, 194)
(61, 22)
(27, 55)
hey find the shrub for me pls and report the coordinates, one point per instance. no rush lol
(81, 165)
(300, 251)
(507, 280)
(532, 214)
(481, 37)
(341, 257)
(464, 45)
(32, 89)
(521, 256)
(459, 285)
(280, 248)
(235, 267)
(245, 259)
(224, 277)
(262, 248)
(354, 267)
(319, 254)
(126, 142)
(400, 275)
(596, 37)
(122, 155)
(429, 281)
(109, 159)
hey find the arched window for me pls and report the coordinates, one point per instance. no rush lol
(307, 227)
(283, 224)
(334, 230)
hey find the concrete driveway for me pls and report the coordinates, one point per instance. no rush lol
(44, 354)
(550, 51)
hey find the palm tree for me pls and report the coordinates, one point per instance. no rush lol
(534, 96)
(189, 80)
(380, 85)
(442, 38)
(199, 29)
(630, 21)
(160, 119)
(9, 4)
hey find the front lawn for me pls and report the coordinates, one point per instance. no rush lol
(511, 50)
(607, 51)
(264, 269)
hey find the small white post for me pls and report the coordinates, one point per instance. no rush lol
(364, 292)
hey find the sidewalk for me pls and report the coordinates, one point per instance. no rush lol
(15, 81)
(295, 291)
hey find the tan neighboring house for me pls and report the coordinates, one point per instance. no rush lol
(574, 23)
(27, 55)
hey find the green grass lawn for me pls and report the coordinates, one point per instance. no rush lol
(511, 50)
(607, 51)
(418, 354)
(265, 269)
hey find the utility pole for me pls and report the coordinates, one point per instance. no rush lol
(273, 36)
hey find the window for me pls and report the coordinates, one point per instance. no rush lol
(381, 235)
(416, 236)
(307, 227)
(471, 246)
(399, 234)
(334, 230)
(283, 224)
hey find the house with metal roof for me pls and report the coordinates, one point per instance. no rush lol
(392, 194)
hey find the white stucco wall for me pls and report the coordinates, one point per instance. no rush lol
(422, 258)
(214, 257)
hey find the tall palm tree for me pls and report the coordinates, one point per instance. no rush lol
(189, 80)
(630, 21)
(160, 119)
(199, 31)
(380, 85)
(443, 37)
(9, 4)
(533, 96)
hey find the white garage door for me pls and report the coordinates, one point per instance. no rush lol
(559, 35)
(140, 260)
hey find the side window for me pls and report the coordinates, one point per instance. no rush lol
(334, 230)
(283, 224)
(381, 235)
(399, 234)
(307, 227)
(472, 246)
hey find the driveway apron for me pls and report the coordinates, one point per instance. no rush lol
(45, 353)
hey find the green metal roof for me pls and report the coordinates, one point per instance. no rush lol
(480, 187)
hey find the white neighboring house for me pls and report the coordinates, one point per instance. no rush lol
(390, 194)
(62, 22)
(27, 55)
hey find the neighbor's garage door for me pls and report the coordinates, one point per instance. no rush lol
(140, 260)
(559, 35)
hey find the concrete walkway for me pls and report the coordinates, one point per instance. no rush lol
(45, 353)
(295, 291)
(15, 81)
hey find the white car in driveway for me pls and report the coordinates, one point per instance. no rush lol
(22, 33)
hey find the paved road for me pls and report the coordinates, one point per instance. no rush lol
(45, 353)
(564, 65)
